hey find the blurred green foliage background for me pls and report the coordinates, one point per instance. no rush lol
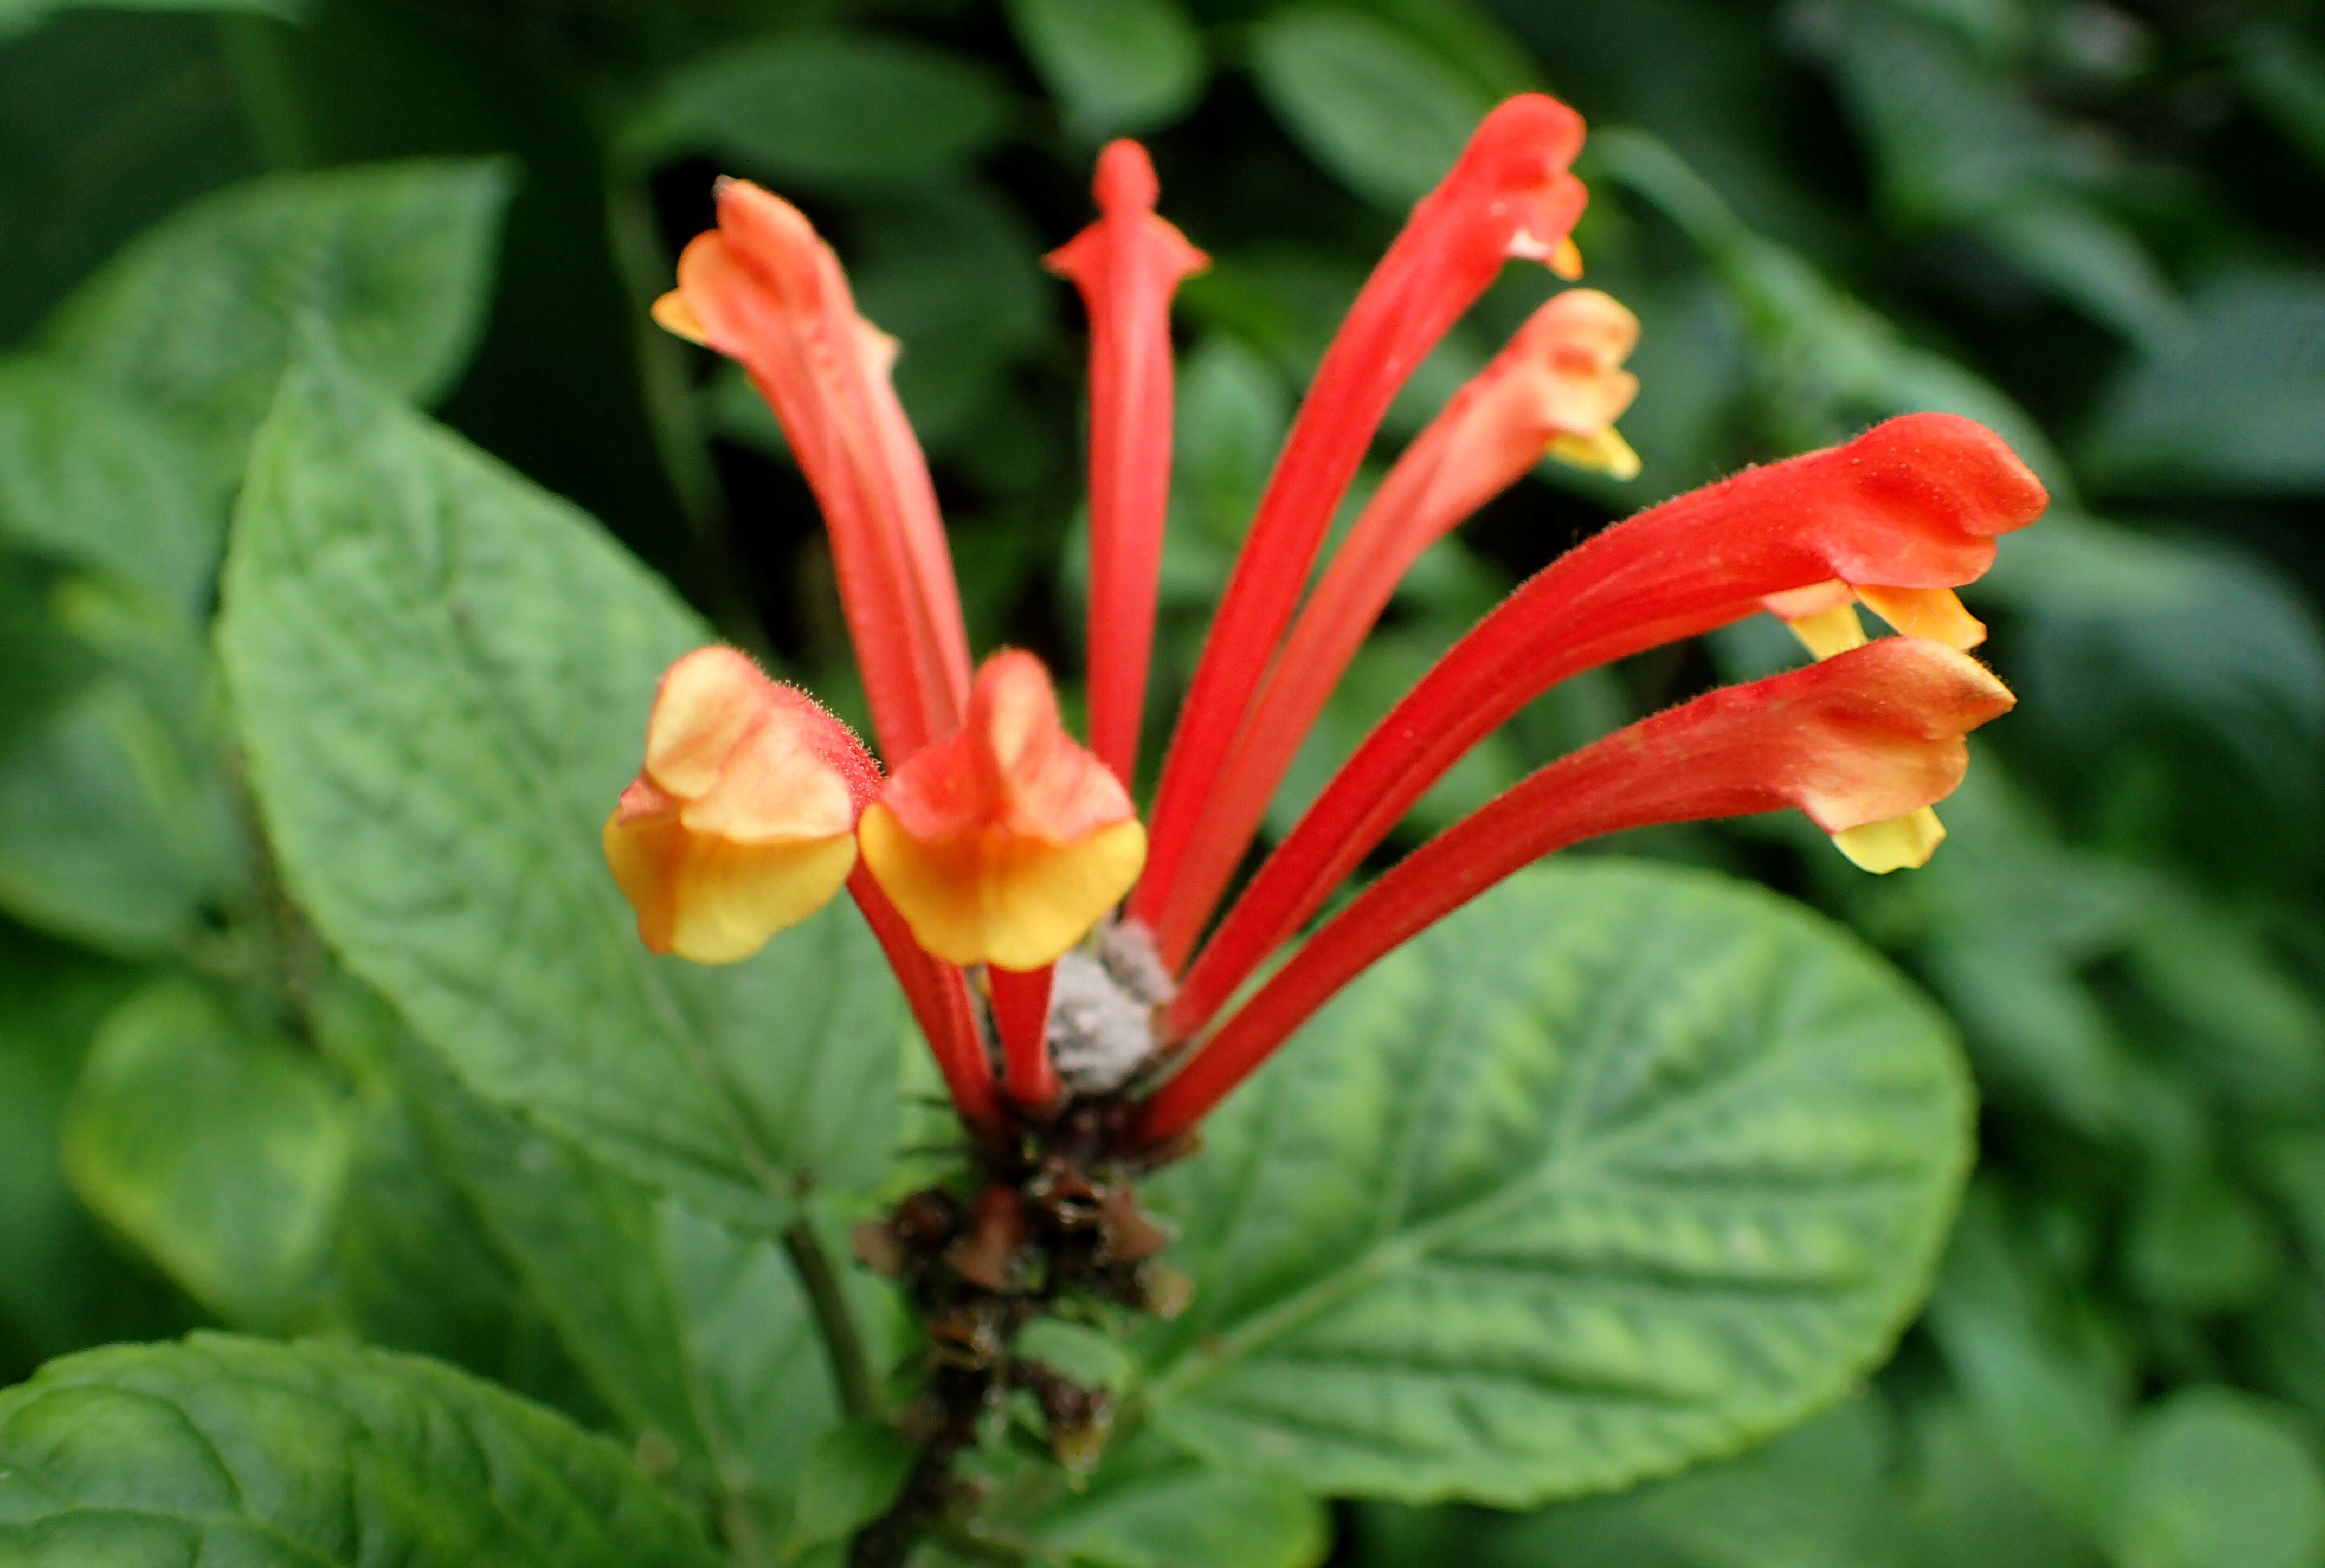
(2098, 227)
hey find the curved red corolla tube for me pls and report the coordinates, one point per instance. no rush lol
(1509, 195)
(1558, 383)
(1913, 502)
(764, 290)
(1127, 265)
(1865, 735)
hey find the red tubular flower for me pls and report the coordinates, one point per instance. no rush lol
(1557, 387)
(999, 845)
(1916, 502)
(1127, 265)
(1509, 195)
(1868, 736)
(763, 287)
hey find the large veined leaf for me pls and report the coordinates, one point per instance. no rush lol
(697, 1339)
(196, 315)
(229, 1450)
(1620, 1168)
(442, 676)
(1366, 99)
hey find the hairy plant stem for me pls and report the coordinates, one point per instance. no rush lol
(843, 1345)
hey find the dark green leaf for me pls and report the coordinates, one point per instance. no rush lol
(954, 275)
(849, 1480)
(1366, 100)
(217, 1148)
(395, 260)
(15, 15)
(2235, 399)
(832, 109)
(442, 676)
(1123, 66)
(229, 1450)
(1620, 1168)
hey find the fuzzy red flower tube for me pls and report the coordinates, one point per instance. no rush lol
(1867, 736)
(1041, 932)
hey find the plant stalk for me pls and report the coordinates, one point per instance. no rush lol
(843, 1345)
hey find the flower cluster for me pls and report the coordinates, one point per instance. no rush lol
(1004, 865)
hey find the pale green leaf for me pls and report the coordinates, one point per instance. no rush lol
(1126, 65)
(1617, 1169)
(2216, 1477)
(90, 476)
(61, 1285)
(1148, 1508)
(836, 109)
(196, 315)
(225, 1450)
(443, 676)
(1366, 99)
(217, 1148)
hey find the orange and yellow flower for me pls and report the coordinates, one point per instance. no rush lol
(997, 847)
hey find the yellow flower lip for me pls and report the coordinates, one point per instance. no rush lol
(740, 822)
(1006, 842)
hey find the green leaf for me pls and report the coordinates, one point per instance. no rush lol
(2044, 1406)
(837, 110)
(2217, 1479)
(230, 1449)
(395, 260)
(91, 478)
(219, 1150)
(61, 1285)
(2235, 399)
(109, 834)
(1620, 1168)
(1817, 1497)
(698, 1340)
(849, 1480)
(1128, 65)
(1146, 1507)
(442, 677)
(17, 15)
(1366, 100)
(954, 274)
(1831, 361)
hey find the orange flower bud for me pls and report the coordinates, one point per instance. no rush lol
(741, 822)
(1005, 842)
